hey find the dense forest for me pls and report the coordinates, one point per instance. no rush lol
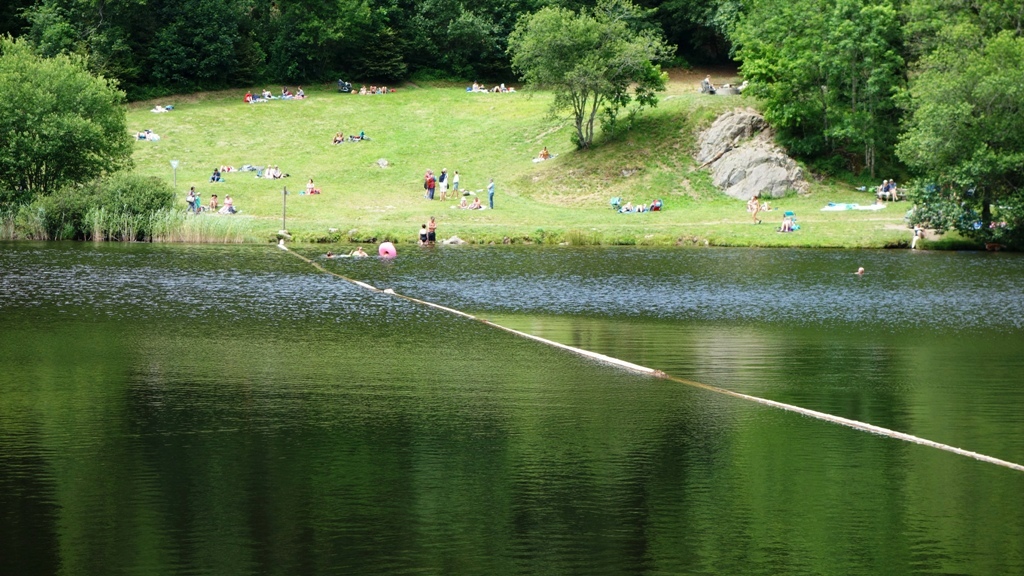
(930, 89)
(163, 46)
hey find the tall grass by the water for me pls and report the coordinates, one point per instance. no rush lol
(23, 223)
(171, 225)
(180, 226)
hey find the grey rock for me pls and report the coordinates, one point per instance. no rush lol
(743, 159)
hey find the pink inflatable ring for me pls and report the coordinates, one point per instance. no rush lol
(387, 250)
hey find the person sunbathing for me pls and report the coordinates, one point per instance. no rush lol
(339, 138)
(299, 94)
(627, 207)
(544, 154)
(463, 204)
(476, 204)
(310, 188)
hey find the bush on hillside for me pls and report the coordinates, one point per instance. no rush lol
(61, 125)
(118, 208)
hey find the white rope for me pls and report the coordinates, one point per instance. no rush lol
(855, 424)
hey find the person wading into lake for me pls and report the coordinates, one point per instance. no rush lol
(431, 231)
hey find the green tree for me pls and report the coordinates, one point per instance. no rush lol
(59, 124)
(828, 88)
(590, 60)
(965, 133)
(196, 45)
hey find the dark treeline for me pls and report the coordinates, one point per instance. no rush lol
(163, 46)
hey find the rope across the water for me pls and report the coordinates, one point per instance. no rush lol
(659, 374)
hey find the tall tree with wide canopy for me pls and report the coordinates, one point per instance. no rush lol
(828, 72)
(59, 125)
(591, 60)
(965, 134)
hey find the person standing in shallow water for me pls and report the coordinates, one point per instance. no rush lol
(431, 231)
(490, 194)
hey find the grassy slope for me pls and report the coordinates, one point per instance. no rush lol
(482, 136)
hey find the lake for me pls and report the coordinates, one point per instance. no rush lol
(232, 410)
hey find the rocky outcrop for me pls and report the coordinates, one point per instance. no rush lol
(743, 159)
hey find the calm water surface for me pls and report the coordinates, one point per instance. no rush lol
(230, 410)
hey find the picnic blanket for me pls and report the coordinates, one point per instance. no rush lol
(833, 207)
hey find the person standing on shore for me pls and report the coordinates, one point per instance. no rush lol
(442, 182)
(490, 193)
(429, 183)
(754, 206)
(431, 231)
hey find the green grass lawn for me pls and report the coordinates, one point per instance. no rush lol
(482, 136)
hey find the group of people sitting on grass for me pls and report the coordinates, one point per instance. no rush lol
(271, 173)
(887, 190)
(474, 205)
(266, 96)
(628, 207)
(195, 203)
(481, 88)
(363, 90)
(339, 138)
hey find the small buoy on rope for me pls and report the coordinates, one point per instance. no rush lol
(387, 250)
